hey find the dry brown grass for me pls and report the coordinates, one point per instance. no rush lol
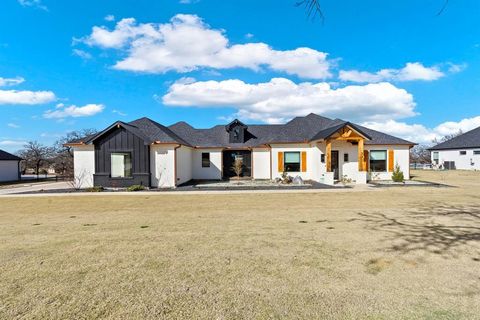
(400, 253)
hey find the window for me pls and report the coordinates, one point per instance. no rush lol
(463, 153)
(121, 165)
(345, 157)
(476, 152)
(435, 157)
(292, 162)
(378, 161)
(322, 158)
(205, 159)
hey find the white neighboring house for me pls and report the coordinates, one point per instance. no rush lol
(462, 152)
(144, 152)
(9, 167)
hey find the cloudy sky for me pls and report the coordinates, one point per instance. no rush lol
(394, 66)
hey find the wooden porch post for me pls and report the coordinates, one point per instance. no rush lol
(361, 160)
(328, 155)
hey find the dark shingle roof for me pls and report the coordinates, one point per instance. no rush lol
(8, 156)
(470, 139)
(300, 129)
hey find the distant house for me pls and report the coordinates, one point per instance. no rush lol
(312, 147)
(9, 167)
(462, 152)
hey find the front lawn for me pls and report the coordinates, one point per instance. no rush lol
(393, 253)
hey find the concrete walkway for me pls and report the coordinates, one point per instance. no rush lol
(32, 187)
(57, 185)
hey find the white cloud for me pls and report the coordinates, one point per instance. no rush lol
(456, 68)
(120, 113)
(422, 134)
(33, 3)
(249, 35)
(73, 111)
(26, 97)
(281, 99)
(109, 18)
(6, 82)
(188, 1)
(13, 125)
(12, 143)
(413, 71)
(186, 43)
(82, 54)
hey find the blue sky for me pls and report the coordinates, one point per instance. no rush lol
(394, 65)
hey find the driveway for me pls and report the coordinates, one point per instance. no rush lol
(32, 187)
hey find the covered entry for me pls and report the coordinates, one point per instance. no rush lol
(229, 157)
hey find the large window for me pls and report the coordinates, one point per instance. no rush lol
(378, 161)
(121, 165)
(292, 162)
(205, 159)
(476, 152)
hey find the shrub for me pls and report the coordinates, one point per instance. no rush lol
(94, 189)
(397, 175)
(136, 187)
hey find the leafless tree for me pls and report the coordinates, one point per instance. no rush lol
(36, 155)
(63, 159)
(448, 137)
(420, 154)
(237, 167)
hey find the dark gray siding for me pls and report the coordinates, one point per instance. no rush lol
(121, 140)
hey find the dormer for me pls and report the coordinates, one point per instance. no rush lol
(237, 131)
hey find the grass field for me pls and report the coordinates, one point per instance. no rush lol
(397, 253)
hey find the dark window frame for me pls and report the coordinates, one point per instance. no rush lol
(292, 166)
(206, 160)
(346, 157)
(463, 152)
(125, 176)
(375, 164)
(476, 152)
(322, 158)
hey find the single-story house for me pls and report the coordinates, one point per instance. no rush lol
(313, 147)
(9, 167)
(461, 152)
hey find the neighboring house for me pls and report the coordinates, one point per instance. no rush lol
(461, 152)
(313, 147)
(9, 167)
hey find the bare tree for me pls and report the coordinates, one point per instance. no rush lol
(420, 154)
(63, 160)
(36, 155)
(448, 137)
(237, 167)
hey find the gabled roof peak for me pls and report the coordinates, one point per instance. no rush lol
(235, 123)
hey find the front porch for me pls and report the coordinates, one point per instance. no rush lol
(340, 144)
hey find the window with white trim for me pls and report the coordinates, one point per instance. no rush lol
(435, 157)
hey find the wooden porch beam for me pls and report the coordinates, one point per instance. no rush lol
(361, 160)
(328, 155)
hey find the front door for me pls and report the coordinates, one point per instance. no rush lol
(335, 165)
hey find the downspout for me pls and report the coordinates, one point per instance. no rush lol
(175, 165)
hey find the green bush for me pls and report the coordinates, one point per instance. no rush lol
(94, 189)
(136, 187)
(397, 175)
